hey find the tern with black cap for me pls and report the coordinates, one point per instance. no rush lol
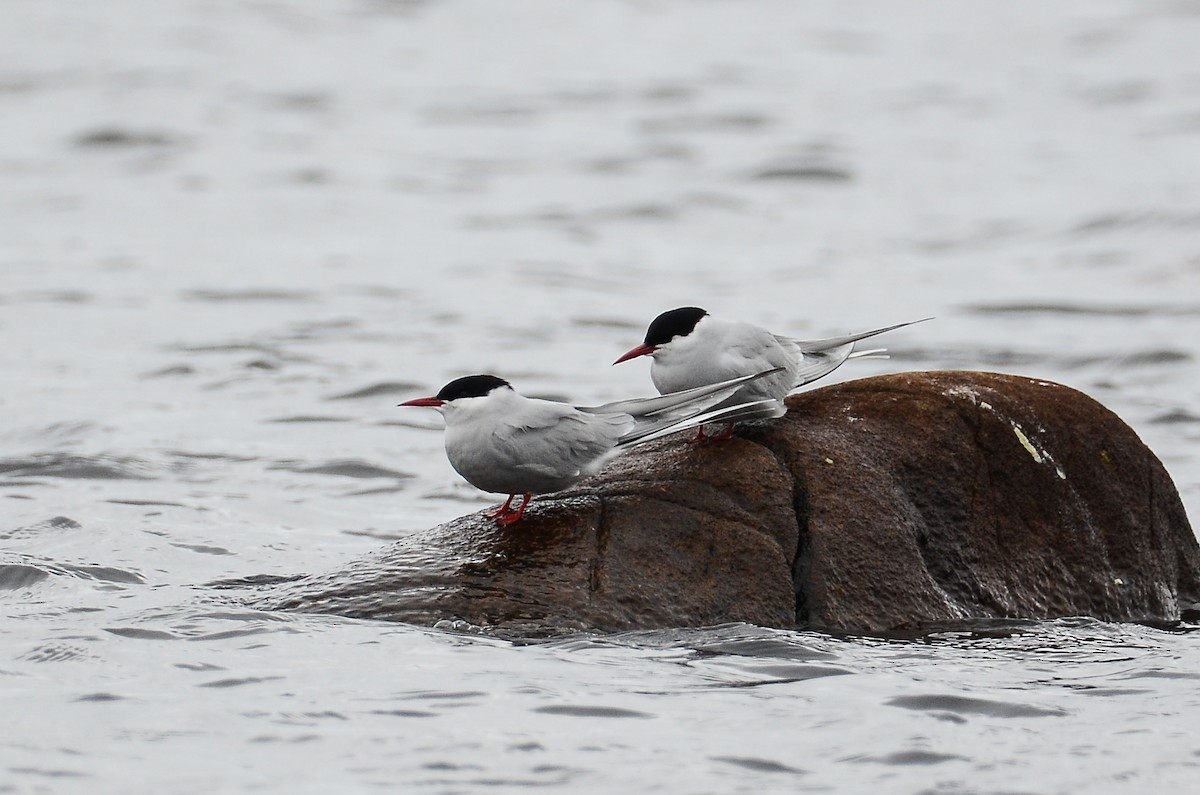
(691, 348)
(505, 443)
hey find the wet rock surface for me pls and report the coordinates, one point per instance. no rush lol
(890, 503)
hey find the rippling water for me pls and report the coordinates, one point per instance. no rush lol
(233, 236)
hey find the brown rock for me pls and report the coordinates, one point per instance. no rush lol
(948, 496)
(899, 502)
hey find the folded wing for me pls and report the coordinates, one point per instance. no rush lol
(821, 357)
(657, 416)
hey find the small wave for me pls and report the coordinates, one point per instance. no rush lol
(233, 633)
(1152, 358)
(15, 576)
(963, 705)
(916, 757)
(56, 296)
(230, 457)
(57, 465)
(172, 371)
(374, 491)
(1158, 674)
(370, 532)
(249, 295)
(756, 674)
(447, 695)
(239, 681)
(348, 468)
(759, 765)
(591, 711)
(23, 575)
(376, 390)
(55, 432)
(1088, 310)
(705, 123)
(203, 549)
(254, 581)
(139, 633)
(101, 573)
(1176, 417)
(1122, 221)
(124, 138)
(404, 713)
(47, 773)
(613, 323)
(101, 697)
(815, 169)
(229, 347)
(56, 652)
(779, 648)
(46, 525)
(1007, 358)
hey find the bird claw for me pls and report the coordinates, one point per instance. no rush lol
(509, 518)
(720, 437)
(506, 515)
(501, 511)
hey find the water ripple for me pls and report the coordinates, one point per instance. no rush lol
(342, 468)
(61, 465)
(378, 389)
(213, 295)
(963, 705)
(759, 765)
(1066, 309)
(591, 711)
(23, 575)
(44, 526)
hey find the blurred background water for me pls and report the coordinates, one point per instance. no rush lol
(234, 235)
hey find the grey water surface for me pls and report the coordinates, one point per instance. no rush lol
(234, 235)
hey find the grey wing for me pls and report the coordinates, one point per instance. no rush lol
(732, 413)
(814, 363)
(654, 416)
(560, 444)
(831, 343)
(678, 403)
(750, 349)
(821, 357)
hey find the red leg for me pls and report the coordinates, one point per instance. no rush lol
(512, 517)
(503, 509)
(720, 437)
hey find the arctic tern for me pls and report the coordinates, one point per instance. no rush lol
(691, 348)
(503, 442)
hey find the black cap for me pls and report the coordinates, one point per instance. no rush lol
(675, 323)
(471, 386)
